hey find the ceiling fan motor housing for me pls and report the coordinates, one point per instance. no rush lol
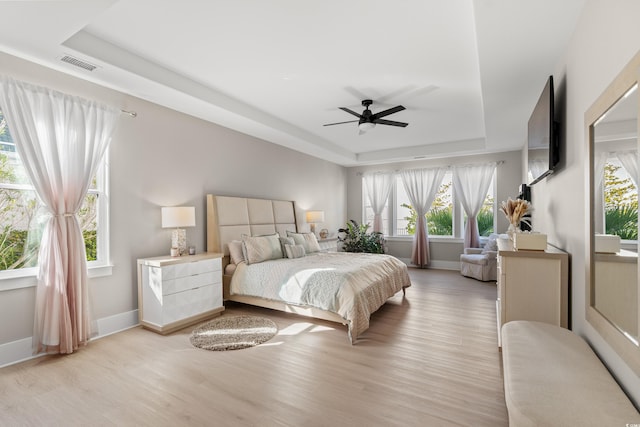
(366, 114)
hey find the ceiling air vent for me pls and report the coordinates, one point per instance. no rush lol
(78, 63)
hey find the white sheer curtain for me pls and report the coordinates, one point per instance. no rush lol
(471, 184)
(629, 160)
(421, 186)
(378, 186)
(61, 140)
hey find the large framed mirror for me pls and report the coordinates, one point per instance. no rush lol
(612, 287)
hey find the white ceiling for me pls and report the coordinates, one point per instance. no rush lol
(468, 71)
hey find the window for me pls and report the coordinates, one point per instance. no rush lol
(620, 201)
(399, 216)
(368, 214)
(439, 217)
(22, 217)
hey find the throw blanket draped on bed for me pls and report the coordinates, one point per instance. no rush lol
(353, 285)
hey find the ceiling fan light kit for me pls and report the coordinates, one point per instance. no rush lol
(365, 126)
(368, 120)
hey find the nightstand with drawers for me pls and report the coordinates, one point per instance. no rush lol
(174, 292)
(328, 244)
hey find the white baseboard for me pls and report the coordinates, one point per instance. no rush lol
(15, 351)
(21, 350)
(436, 265)
(445, 265)
(116, 323)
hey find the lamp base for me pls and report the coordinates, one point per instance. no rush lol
(179, 240)
(312, 227)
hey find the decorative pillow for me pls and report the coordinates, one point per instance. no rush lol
(308, 240)
(235, 252)
(294, 251)
(261, 248)
(286, 241)
(491, 244)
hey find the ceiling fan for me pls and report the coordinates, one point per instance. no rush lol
(368, 120)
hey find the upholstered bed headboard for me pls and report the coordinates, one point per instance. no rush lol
(228, 218)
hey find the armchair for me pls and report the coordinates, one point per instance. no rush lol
(481, 263)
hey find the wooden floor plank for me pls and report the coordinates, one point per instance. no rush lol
(428, 359)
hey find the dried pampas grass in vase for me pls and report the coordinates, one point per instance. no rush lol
(515, 210)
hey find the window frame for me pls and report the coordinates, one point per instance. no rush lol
(457, 214)
(102, 266)
(627, 244)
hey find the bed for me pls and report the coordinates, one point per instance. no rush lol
(268, 263)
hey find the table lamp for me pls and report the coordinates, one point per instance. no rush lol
(177, 217)
(314, 217)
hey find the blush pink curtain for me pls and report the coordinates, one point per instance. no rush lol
(61, 140)
(421, 186)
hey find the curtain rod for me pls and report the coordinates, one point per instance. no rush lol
(129, 113)
(497, 162)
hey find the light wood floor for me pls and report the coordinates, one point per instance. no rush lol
(430, 359)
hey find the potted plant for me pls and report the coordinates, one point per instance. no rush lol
(354, 238)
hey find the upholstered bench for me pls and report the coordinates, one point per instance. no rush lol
(553, 378)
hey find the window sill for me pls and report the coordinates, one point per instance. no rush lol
(26, 278)
(438, 239)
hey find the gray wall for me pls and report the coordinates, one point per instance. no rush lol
(606, 38)
(165, 158)
(445, 253)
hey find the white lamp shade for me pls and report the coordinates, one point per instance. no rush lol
(178, 216)
(315, 216)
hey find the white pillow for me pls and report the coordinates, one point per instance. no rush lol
(261, 248)
(235, 251)
(308, 240)
(294, 251)
(491, 244)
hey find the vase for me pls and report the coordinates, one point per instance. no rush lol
(513, 228)
(511, 231)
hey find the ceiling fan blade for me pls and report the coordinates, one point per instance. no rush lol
(351, 112)
(341, 123)
(391, 123)
(387, 112)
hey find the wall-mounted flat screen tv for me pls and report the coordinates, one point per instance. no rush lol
(543, 151)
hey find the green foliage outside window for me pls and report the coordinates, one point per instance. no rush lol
(620, 204)
(485, 221)
(440, 216)
(440, 221)
(15, 251)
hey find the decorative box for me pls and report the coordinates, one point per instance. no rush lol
(530, 241)
(607, 243)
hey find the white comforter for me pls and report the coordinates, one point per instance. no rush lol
(353, 285)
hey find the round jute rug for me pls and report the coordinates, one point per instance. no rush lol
(233, 333)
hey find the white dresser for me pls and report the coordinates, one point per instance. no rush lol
(533, 285)
(174, 292)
